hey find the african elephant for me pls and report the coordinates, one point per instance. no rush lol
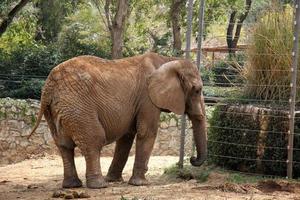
(90, 102)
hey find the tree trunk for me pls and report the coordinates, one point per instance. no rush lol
(116, 25)
(232, 41)
(174, 15)
(9, 18)
(117, 43)
(229, 34)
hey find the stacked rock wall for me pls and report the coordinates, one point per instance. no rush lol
(17, 118)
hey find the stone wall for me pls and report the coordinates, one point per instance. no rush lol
(17, 118)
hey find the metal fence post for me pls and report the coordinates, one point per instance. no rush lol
(199, 44)
(293, 91)
(200, 31)
(187, 56)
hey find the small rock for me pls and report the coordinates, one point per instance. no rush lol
(24, 143)
(13, 109)
(84, 195)
(75, 194)
(193, 181)
(69, 196)
(58, 194)
(31, 186)
(2, 110)
(4, 182)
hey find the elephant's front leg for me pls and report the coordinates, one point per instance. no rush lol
(144, 146)
(146, 134)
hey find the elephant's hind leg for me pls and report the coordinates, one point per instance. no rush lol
(66, 147)
(122, 149)
(90, 138)
(71, 179)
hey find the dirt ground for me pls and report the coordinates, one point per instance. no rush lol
(38, 179)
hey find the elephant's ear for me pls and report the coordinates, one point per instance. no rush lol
(165, 90)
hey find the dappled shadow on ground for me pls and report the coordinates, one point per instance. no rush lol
(265, 186)
(41, 179)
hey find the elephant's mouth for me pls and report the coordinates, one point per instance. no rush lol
(165, 110)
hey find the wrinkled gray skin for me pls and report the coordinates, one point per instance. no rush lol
(90, 102)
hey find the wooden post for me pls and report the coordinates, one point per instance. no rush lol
(187, 56)
(200, 32)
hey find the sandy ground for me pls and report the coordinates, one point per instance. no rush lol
(38, 179)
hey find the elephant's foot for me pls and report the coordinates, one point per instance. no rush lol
(138, 181)
(72, 183)
(114, 178)
(96, 182)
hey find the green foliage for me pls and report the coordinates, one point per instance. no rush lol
(21, 31)
(46, 33)
(51, 16)
(239, 132)
(5, 7)
(28, 67)
(227, 73)
(147, 29)
(188, 172)
(82, 34)
(242, 178)
(226, 92)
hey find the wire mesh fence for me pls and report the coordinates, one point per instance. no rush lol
(251, 95)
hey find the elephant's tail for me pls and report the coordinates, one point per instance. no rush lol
(44, 107)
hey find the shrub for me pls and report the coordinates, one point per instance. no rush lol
(254, 133)
(267, 71)
(24, 69)
(25, 89)
(227, 73)
(73, 43)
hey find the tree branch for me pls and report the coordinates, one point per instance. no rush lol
(8, 20)
(240, 22)
(121, 14)
(230, 28)
(174, 15)
(107, 14)
(96, 3)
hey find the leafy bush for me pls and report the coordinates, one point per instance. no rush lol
(83, 34)
(227, 73)
(24, 89)
(72, 43)
(251, 139)
(207, 76)
(24, 69)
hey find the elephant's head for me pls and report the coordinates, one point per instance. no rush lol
(176, 86)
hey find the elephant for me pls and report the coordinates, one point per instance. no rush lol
(89, 102)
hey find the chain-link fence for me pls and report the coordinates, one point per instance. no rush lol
(250, 88)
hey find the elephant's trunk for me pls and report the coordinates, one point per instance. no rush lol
(200, 137)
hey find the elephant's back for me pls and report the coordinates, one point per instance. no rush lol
(90, 72)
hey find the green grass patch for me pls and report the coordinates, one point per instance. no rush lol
(202, 174)
(213, 91)
(188, 172)
(242, 178)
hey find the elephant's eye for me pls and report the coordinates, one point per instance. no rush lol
(198, 91)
